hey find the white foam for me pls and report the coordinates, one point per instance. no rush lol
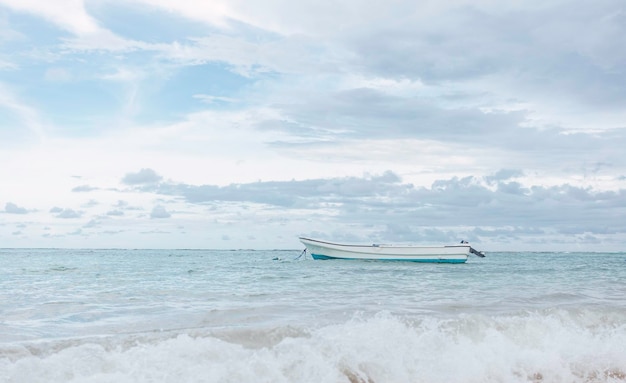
(548, 346)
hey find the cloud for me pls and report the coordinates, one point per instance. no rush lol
(84, 188)
(94, 222)
(504, 174)
(159, 212)
(112, 232)
(90, 203)
(68, 14)
(65, 213)
(215, 12)
(286, 193)
(492, 207)
(155, 232)
(30, 125)
(338, 117)
(12, 208)
(145, 176)
(213, 99)
(57, 74)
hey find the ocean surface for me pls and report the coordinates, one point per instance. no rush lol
(269, 316)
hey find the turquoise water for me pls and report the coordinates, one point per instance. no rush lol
(265, 316)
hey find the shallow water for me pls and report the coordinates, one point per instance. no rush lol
(263, 316)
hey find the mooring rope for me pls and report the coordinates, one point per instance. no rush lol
(301, 254)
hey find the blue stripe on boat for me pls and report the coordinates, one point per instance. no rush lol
(325, 257)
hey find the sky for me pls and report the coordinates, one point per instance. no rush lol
(233, 124)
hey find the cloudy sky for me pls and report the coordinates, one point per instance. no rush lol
(244, 124)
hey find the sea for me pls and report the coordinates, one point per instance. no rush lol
(179, 316)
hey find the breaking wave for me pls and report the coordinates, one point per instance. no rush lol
(539, 346)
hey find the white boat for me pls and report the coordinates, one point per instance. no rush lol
(438, 254)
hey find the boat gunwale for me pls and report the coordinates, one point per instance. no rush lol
(382, 245)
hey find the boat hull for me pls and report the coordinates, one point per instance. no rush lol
(429, 254)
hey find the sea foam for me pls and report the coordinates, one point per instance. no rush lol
(546, 346)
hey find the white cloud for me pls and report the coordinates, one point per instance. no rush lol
(104, 40)
(68, 14)
(213, 99)
(215, 12)
(6, 64)
(84, 188)
(159, 212)
(24, 113)
(12, 208)
(65, 213)
(144, 176)
(57, 74)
